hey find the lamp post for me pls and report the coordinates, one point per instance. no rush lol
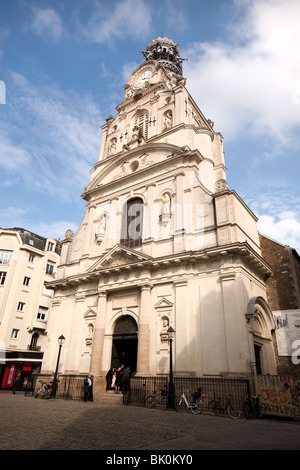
(171, 398)
(61, 341)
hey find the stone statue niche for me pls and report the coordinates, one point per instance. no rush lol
(167, 120)
(101, 228)
(164, 330)
(89, 336)
(165, 212)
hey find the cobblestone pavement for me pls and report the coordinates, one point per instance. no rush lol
(35, 424)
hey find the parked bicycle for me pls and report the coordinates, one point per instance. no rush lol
(215, 407)
(157, 399)
(44, 390)
(251, 407)
(195, 404)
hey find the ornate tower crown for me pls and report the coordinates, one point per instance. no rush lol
(164, 51)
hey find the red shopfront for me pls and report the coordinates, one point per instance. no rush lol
(11, 369)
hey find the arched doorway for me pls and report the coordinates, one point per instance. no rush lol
(261, 322)
(124, 346)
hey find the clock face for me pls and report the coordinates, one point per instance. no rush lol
(143, 78)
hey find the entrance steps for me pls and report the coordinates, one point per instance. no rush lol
(111, 398)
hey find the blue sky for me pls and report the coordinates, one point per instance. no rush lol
(63, 65)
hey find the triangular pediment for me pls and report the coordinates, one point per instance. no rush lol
(90, 314)
(119, 256)
(164, 303)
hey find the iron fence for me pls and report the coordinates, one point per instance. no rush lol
(212, 388)
(69, 387)
(279, 396)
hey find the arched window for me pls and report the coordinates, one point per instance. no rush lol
(33, 343)
(132, 223)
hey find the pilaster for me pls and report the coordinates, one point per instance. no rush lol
(144, 331)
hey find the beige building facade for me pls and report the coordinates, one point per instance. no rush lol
(27, 260)
(163, 242)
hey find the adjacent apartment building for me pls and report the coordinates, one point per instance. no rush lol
(27, 260)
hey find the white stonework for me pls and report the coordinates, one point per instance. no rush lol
(189, 254)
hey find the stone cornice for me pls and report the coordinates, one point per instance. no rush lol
(241, 249)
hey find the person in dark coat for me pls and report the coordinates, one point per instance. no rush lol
(126, 379)
(119, 378)
(17, 383)
(88, 389)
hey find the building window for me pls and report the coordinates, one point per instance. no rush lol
(50, 246)
(21, 306)
(2, 277)
(50, 268)
(14, 333)
(31, 258)
(33, 344)
(142, 124)
(26, 281)
(42, 313)
(5, 256)
(132, 223)
(31, 242)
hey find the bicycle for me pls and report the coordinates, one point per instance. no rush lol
(215, 408)
(195, 404)
(157, 399)
(44, 390)
(251, 407)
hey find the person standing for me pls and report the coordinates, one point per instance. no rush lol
(113, 381)
(88, 389)
(119, 378)
(109, 378)
(16, 383)
(126, 379)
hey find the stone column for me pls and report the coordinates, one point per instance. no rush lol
(98, 340)
(144, 331)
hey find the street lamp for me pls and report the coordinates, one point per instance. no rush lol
(61, 341)
(171, 398)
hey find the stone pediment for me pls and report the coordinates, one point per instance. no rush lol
(90, 314)
(118, 256)
(164, 303)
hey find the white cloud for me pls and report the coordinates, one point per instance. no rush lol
(251, 82)
(126, 18)
(51, 138)
(278, 214)
(16, 217)
(285, 228)
(12, 217)
(12, 157)
(46, 22)
(56, 229)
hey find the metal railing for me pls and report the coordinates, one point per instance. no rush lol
(69, 387)
(213, 388)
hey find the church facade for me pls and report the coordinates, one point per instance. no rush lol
(163, 242)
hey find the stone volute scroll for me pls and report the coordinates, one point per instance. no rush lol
(165, 213)
(164, 330)
(101, 228)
